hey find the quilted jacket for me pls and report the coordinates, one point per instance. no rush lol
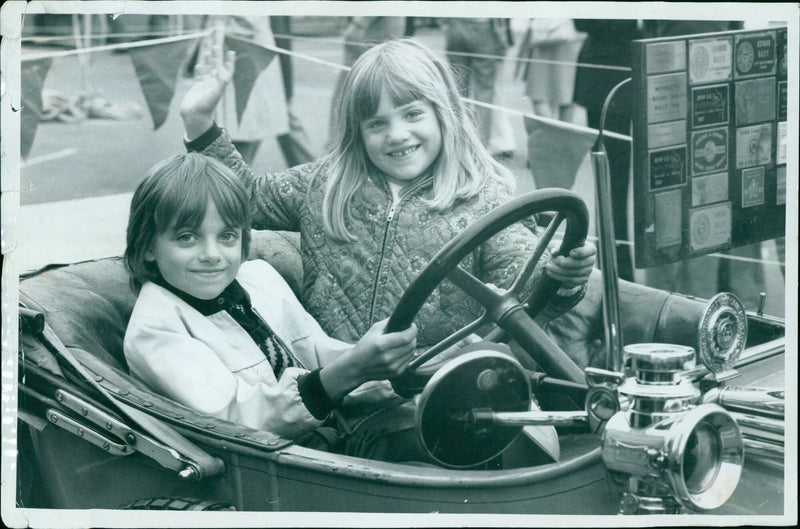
(349, 286)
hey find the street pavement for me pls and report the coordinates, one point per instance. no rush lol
(77, 181)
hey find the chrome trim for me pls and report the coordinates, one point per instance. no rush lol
(110, 445)
(607, 240)
(532, 418)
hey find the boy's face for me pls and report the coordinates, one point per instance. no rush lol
(200, 261)
(402, 141)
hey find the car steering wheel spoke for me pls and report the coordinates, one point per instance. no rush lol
(545, 237)
(450, 341)
(475, 288)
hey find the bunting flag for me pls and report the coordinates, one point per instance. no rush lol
(157, 68)
(251, 60)
(31, 81)
(555, 153)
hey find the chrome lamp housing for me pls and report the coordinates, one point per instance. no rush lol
(673, 453)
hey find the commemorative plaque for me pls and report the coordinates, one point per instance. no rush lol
(755, 100)
(710, 60)
(709, 189)
(752, 187)
(666, 134)
(783, 69)
(666, 57)
(755, 54)
(780, 150)
(710, 226)
(666, 97)
(710, 151)
(667, 168)
(754, 145)
(668, 218)
(710, 105)
(710, 133)
(780, 198)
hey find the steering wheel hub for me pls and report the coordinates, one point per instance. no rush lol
(478, 380)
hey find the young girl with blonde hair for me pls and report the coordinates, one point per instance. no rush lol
(406, 173)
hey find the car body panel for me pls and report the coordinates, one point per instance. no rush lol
(266, 473)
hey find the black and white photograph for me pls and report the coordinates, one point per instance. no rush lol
(398, 263)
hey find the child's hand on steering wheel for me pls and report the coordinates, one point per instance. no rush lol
(573, 270)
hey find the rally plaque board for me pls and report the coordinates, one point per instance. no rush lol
(709, 143)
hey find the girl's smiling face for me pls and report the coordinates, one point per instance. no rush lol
(402, 141)
(200, 261)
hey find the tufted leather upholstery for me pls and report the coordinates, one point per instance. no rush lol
(647, 315)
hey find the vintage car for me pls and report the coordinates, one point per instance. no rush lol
(677, 424)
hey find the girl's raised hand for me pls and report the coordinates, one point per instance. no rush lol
(573, 270)
(213, 72)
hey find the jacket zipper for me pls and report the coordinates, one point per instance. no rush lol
(389, 217)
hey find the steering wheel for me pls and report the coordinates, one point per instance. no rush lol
(504, 309)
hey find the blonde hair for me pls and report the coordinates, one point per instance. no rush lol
(406, 71)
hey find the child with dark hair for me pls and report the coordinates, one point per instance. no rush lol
(226, 337)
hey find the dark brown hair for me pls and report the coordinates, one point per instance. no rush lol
(174, 194)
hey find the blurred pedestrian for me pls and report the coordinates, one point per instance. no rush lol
(266, 115)
(295, 145)
(608, 43)
(551, 47)
(475, 48)
(548, 54)
(361, 34)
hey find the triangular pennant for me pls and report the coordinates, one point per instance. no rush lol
(251, 60)
(157, 68)
(31, 82)
(556, 152)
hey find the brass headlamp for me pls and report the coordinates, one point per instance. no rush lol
(674, 453)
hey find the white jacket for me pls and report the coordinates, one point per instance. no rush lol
(211, 364)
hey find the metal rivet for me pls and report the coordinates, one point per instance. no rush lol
(84, 411)
(108, 426)
(487, 379)
(80, 432)
(59, 397)
(130, 438)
